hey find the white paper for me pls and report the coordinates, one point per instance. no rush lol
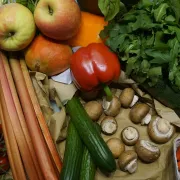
(64, 77)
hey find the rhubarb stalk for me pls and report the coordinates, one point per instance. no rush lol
(14, 157)
(39, 114)
(41, 149)
(21, 117)
(14, 119)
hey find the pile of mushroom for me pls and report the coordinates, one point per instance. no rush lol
(159, 129)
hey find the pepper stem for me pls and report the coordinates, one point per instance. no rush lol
(107, 92)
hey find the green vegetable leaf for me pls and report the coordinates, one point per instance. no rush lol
(109, 8)
(158, 57)
(175, 4)
(176, 30)
(31, 4)
(154, 75)
(177, 79)
(145, 65)
(160, 12)
(23, 2)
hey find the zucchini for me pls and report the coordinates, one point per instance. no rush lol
(73, 155)
(88, 167)
(100, 153)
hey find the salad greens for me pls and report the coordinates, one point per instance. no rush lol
(147, 40)
(109, 8)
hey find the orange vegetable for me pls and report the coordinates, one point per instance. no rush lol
(178, 154)
(91, 25)
(48, 56)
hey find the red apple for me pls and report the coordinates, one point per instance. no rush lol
(58, 19)
(17, 27)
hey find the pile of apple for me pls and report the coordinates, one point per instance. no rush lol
(58, 20)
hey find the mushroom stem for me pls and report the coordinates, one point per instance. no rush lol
(132, 166)
(146, 119)
(134, 101)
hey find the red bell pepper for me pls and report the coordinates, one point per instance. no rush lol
(94, 66)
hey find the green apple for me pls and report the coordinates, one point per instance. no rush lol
(58, 19)
(17, 27)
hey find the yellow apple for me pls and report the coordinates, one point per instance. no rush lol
(58, 19)
(17, 27)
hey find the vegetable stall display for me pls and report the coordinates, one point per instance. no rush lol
(102, 120)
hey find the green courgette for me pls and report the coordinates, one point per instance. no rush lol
(90, 136)
(88, 167)
(73, 155)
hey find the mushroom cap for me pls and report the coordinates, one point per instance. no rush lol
(160, 130)
(125, 158)
(147, 151)
(138, 112)
(109, 125)
(113, 107)
(130, 135)
(94, 109)
(116, 146)
(126, 97)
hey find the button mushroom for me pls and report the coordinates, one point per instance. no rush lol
(147, 151)
(140, 113)
(111, 108)
(94, 109)
(109, 125)
(160, 130)
(128, 98)
(116, 146)
(130, 135)
(128, 161)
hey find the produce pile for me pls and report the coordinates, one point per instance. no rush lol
(37, 41)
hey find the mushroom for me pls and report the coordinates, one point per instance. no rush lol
(128, 98)
(140, 113)
(112, 108)
(109, 125)
(147, 151)
(130, 135)
(160, 130)
(94, 109)
(128, 161)
(116, 146)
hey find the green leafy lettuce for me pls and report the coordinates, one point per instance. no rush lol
(147, 41)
